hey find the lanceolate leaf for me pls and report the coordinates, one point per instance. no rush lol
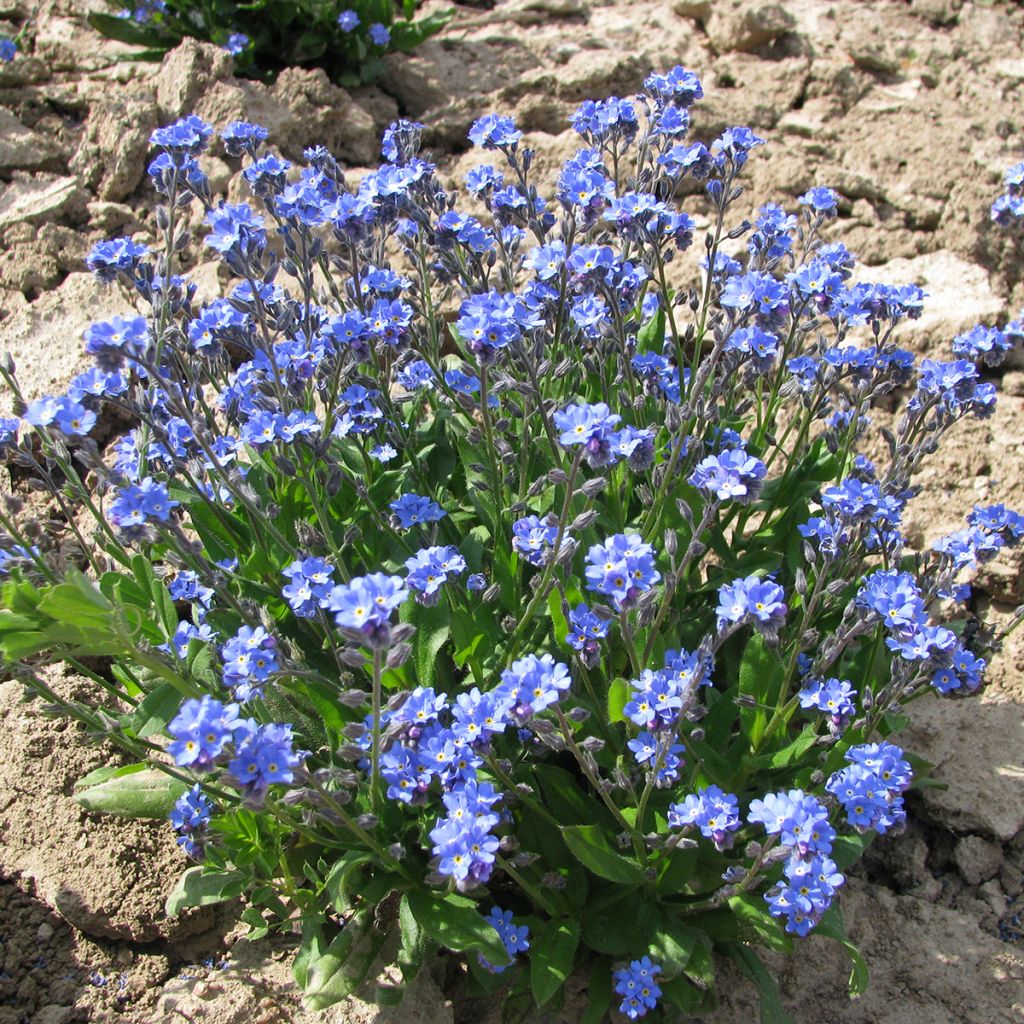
(592, 848)
(552, 951)
(456, 923)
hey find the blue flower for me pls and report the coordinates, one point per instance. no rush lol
(515, 938)
(188, 135)
(637, 986)
(8, 50)
(532, 538)
(495, 131)
(250, 656)
(236, 229)
(348, 20)
(532, 684)
(820, 200)
(380, 34)
(189, 818)
(137, 504)
(364, 605)
(730, 475)
(832, 697)
(430, 569)
(714, 812)
(678, 85)
(752, 599)
(115, 256)
(201, 731)
(114, 341)
(622, 568)
(264, 756)
(236, 43)
(806, 894)
(243, 137)
(415, 509)
(870, 788)
(799, 819)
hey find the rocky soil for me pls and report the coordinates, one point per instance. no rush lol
(911, 110)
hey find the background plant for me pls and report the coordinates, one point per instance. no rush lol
(488, 588)
(347, 38)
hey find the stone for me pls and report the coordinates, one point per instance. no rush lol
(600, 73)
(534, 12)
(54, 1014)
(873, 56)
(936, 12)
(45, 338)
(111, 158)
(977, 755)
(111, 217)
(25, 70)
(44, 197)
(745, 27)
(187, 73)
(977, 859)
(21, 148)
(959, 293)
(699, 9)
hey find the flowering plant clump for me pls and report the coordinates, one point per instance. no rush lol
(469, 577)
(347, 38)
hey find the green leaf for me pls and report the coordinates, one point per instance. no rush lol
(155, 711)
(599, 993)
(754, 918)
(331, 972)
(339, 880)
(672, 944)
(833, 926)
(795, 750)
(416, 943)
(618, 696)
(98, 775)
(681, 993)
(750, 966)
(590, 845)
(70, 604)
(847, 850)
(162, 603)
(199, 887)
(455, 923)
(146, 793)
(760, 676)
(552, 952)
(253, 917)
(126, 30)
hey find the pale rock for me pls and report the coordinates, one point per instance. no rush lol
(21, 148)
(45, 338)
(111, 159)
(936, 12)
(600, 73)
(978, 755)
(25, 70)
(535, 12)
(873, 56)
(44, 197)
(959, 294)
(699, 9)
(111, 217)
(977, 859)
(742, 27)
(187, 73)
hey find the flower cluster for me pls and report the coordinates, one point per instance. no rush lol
(207, 733)
(638, 987)
(420, 450)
